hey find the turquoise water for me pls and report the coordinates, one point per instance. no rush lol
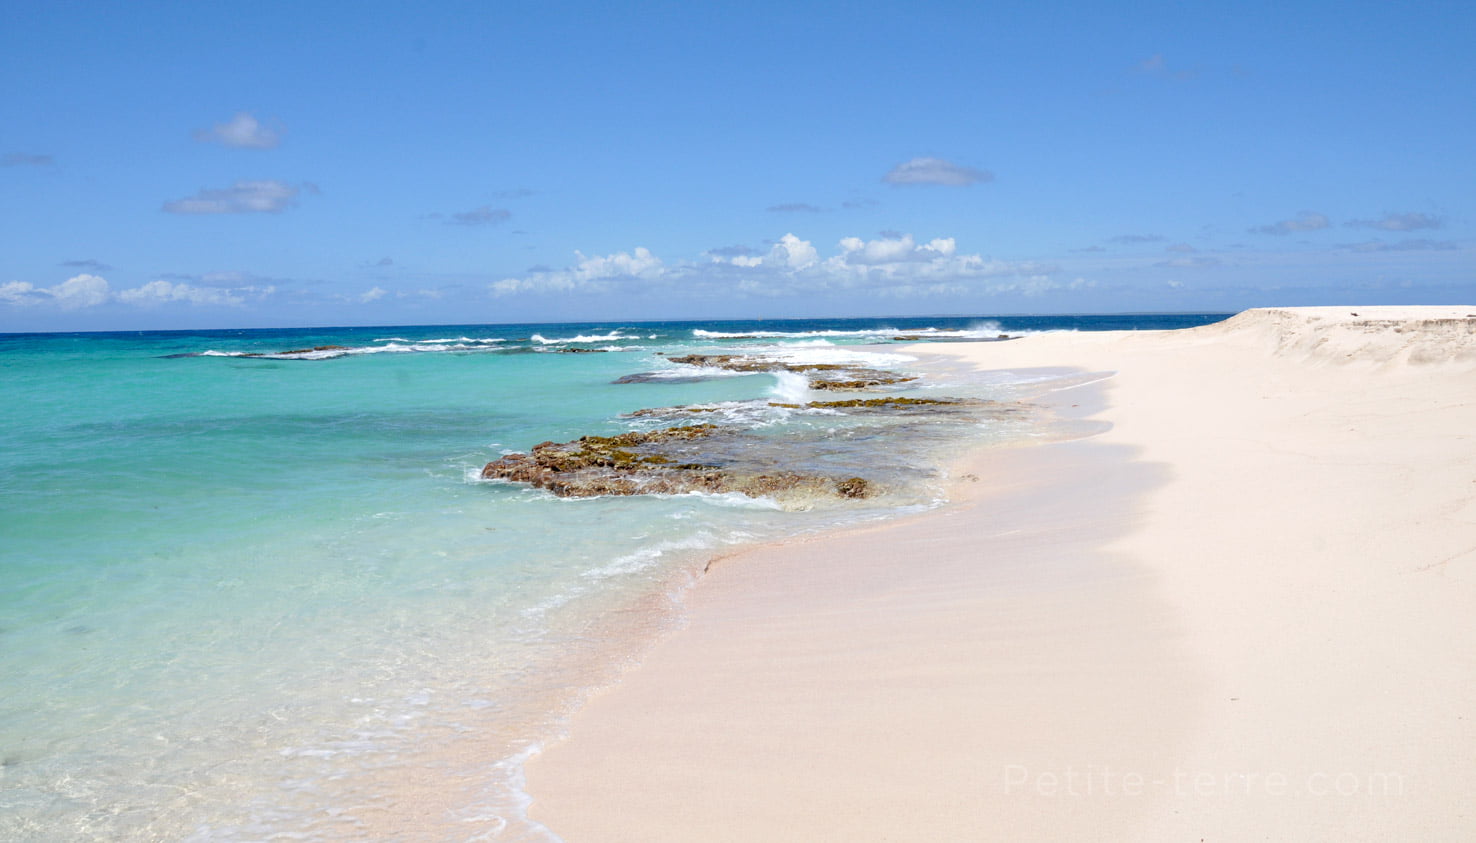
(247, 596)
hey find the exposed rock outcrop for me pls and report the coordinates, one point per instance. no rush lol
(653, 463)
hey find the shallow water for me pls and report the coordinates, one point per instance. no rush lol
(246, 594)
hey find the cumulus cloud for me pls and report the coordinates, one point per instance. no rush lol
(936, 171)
(76, 292)
(892, 264)
(600, 272)
(243, 197)
(788, 254)
(1304, 221)
(894, 249)
(1399, 222)
(243, 131)
(25, 159)
(163, 292)
(373, 294)
(87, 290)
(793, 207)
(484, 215)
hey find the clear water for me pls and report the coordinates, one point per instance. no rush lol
(244, 597)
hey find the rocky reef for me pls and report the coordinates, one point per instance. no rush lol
(657, 462)
(826, 376)
(889, 403)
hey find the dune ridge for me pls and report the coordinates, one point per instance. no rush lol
(1381, 336)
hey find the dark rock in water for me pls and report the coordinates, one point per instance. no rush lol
(832, 376)
(872, 403)
(315, 348)
(669, 411)
(868, 378)
(582, 350)
(297, 352)
(652, 462)
(659, 377)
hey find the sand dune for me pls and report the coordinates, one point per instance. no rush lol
(1245, 611)
(1386, 336)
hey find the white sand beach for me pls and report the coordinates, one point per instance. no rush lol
(1245, 611)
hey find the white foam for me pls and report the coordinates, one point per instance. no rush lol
(830, 355)
(686, 371)
(728, 500)
(744, 335)
(647, 557)
(610, 337)
(790, 387)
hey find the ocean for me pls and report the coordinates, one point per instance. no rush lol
(253, 585)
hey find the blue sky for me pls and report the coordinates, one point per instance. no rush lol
(176, 165)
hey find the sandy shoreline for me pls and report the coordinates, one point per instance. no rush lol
(1243, 612)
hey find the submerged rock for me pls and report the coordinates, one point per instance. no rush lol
(656, 462)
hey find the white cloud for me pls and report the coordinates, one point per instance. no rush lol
(1304, 221)
(20, 293)
(244, 197)
(789, 253)
(76, 292)
(82, 291)
(162, 292)
(889, 265)
(899, 249)
(1399, 222)
(936, 171)
(373, 294)
(243, 131)
(597, 272)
